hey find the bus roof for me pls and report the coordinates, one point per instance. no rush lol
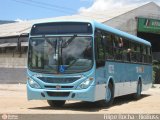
(102, 26)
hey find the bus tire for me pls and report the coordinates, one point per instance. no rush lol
(56, 103)
(109, 98)
(137, 95)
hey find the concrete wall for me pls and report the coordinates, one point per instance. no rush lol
(128, 22)
(8, 61)
(12, 69)
(12, 75)
(6, 21)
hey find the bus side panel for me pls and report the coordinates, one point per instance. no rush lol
(125, 76)
(100, 90)
(147, 77)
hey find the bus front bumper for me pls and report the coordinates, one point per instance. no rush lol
(47, 94)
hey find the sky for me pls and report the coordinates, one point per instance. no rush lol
(101, 5)
(37, 9)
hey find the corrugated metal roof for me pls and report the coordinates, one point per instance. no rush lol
(14, 29)
(6, 21)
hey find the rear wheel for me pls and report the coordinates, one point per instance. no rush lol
(56, 103)
(109, 97)
(137, 95)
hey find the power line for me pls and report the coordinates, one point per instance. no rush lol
(42, 6)
(60, 8)
(51, 5)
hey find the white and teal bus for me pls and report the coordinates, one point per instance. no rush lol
(86, 61)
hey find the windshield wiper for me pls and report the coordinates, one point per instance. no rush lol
(66, 43)
(72, 63)
(53, 44)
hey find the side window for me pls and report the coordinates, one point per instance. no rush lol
(118, 47)
(100, 52)
(144, 52)
(126, 50)
(146, 55)
(109, 46)
(148, 50)
(135, 52)
(138, 53)
(133, 49)
(149, 55)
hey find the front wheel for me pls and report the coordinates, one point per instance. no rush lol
(56, 103)
(109, 97)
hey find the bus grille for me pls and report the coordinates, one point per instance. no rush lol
(58, 94)
(58, 80)
(47, 86)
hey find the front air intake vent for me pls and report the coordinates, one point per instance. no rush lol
(47, 86)
(58, 80)
(58, 94)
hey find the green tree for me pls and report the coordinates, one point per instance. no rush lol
(156, 68)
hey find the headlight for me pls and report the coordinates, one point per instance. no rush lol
(85, 84)
(33, 84)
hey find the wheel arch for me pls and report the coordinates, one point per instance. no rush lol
(111, 80)
(140, 79)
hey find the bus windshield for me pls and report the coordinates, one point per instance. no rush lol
(70, 54)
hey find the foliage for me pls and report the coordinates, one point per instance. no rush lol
(156, 67)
